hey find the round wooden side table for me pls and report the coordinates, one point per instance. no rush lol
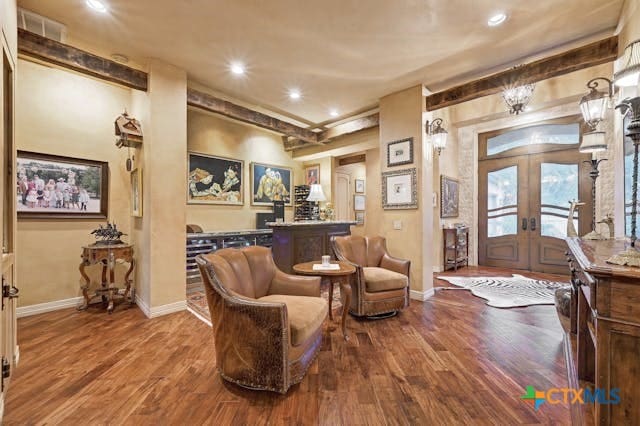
(341, 276)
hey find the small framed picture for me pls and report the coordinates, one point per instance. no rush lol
(400, 189)
(136, 192)
(359, 186)
(449, 196)
(400, 152)
(312, 174)
(359, 202)
(359, 218)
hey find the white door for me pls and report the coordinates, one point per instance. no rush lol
(342, 199)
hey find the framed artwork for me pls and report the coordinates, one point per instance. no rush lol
(312, 174)
(214, 180)
(55, 187)
(136, 192)
(449, 196)
(359, 202)
(400, 189)
(359, 186)
(400, 152)
(359, 218)
(270, 183)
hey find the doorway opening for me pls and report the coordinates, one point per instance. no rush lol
(527, 177)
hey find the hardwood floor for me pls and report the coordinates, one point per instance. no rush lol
(449, 360)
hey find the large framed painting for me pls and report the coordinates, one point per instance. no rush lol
(270, 183)
(51, 186)
(214, 180)
(400, 189)
(449, 196)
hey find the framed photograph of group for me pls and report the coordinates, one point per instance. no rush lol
(400, 189)
(214, 180)
(449, 196)
(270, 183)
(56, 187)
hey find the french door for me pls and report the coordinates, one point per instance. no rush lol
(524, 198)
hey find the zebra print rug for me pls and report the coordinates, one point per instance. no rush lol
(509, 292)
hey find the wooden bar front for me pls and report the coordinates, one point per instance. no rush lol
(299, 242)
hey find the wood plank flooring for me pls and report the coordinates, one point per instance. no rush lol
(449, 360)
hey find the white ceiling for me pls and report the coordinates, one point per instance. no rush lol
(342, 54)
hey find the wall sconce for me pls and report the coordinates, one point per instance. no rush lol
(517, 98)
(594, 104)
(437, 134)
(629, 73)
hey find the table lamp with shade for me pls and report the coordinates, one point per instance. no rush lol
(315, 196)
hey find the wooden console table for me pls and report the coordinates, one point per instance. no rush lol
(608, 323)
(107, 255)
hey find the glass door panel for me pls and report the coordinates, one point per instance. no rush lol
(502, 202)
(558, 185)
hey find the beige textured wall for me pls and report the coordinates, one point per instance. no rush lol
(165, 177)
(326, 176)
(401, 117)
(61, 113)
(629, 25)
(214, 135)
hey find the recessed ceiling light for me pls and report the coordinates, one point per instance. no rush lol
(334, 113)
(237, 68)
(497, 19)
(294, 94)
(96, 5)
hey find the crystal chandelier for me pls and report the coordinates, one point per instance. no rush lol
(518, 97)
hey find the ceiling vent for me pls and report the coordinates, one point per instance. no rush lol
(42, 26)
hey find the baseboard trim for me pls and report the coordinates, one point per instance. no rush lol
(200, 317)
(158, 311)
(41, 308)
(421, 295)
(437, 269)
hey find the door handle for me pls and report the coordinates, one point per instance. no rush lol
(533, 223)
(524, 223)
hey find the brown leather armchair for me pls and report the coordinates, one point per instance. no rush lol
(381, 283)
(267, 325)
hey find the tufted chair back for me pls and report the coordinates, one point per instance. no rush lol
(363, 251)
(246, 272)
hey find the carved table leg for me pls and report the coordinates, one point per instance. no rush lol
(330, 298)
(85, 287)
(112, 288)
(345, 292)
(127, 281)
(103, 282)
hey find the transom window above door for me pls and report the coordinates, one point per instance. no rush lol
(553, 134)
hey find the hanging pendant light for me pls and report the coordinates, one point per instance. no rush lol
(595, 103)
(517, 98)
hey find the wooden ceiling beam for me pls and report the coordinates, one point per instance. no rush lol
(593, 54)
(63, 55)
(349, 127)
(210, 103)
(352, 160)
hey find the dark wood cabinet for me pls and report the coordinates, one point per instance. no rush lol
(608, 328)
(455, 247)
(299, 242)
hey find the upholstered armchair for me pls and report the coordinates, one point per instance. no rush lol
(381, 283)
(267, 325)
